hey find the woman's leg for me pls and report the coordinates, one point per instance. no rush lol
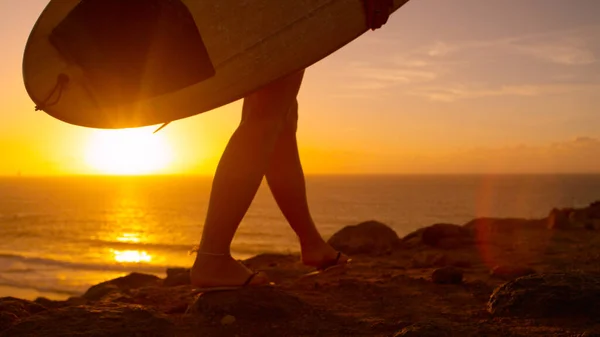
(286, 181)
(238, 177)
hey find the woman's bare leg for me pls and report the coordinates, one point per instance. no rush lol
(286, 181)
(238, 177)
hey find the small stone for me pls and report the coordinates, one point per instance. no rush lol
(447, 275)
(227, 320)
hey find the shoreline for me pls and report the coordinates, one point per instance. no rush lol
(487, 277)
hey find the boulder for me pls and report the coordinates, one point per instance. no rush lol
(575, 218)
(177, 277)
(371, 237)
(559, 218)
(585, 218)
(447, 275)
(13, 309)
(548, 295)
(446, 236)
(111, 320)
(121, 284)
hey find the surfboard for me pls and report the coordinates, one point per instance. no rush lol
(240, 46)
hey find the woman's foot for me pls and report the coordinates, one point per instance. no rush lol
(215, 271)
(321, 255)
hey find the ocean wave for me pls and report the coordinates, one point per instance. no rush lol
(120, 244)
(119, 267)
(20, 284)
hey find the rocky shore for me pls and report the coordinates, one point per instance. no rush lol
(488, 277)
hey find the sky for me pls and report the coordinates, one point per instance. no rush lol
(461, 86)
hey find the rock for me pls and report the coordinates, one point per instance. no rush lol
(594, 210)
(76, 301)
(506, 272)
(426, 329)
(482, 226)
(559, 219)
(447, 236)
(369, 237)
(175, 271)
(47, 303)
(257, 304)
(548, 295)
(575, 218)
(447, 275)
(177, 277)
(99, 291)
(51, 304)
(7, 319)
(19, 307)
(585, 218)
(112, 320)
(227, 320)
(13, 309)
(452, 243)
(131, 281)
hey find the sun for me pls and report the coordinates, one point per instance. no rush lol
(128, 152)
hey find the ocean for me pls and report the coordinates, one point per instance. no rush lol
(59, 236)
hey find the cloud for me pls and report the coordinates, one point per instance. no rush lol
(578, 155)
(535, 64)
(560, 53)
(457, 92)
(572, 47)
(563, 47)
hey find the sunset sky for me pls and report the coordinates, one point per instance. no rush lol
(447, 86)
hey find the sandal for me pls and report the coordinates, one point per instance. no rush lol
(247, 283)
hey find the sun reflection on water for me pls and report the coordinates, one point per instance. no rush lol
(129, 237)
(131, 256)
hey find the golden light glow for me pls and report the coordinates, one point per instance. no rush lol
(128, 152)
(131, 256)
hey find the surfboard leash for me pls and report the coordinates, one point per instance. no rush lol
(61, 82)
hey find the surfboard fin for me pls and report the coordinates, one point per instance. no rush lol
(162, 127)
